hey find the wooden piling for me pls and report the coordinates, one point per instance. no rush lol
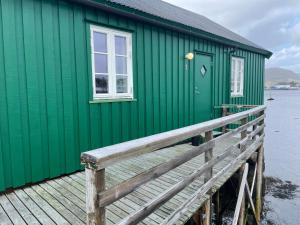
(218, 208)
(243, 147)
(259, 183)
(207, 207)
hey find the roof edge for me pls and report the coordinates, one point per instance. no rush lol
(146, 17)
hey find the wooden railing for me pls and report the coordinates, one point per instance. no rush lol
(97, 160)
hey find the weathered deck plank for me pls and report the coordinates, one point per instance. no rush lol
(62, 200)
(27, 216)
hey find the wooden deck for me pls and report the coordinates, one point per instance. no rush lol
(62, 200)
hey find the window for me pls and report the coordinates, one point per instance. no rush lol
(237, 76)
(112, 63)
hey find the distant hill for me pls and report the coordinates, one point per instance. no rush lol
(277, 75)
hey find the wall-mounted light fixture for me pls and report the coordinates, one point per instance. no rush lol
(189, 56)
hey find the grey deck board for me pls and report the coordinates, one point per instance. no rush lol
(42, 217)
(4, 219)
(27, 216)
(62, 200)
(11, 211)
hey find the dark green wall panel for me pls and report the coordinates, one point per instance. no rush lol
(46, 119)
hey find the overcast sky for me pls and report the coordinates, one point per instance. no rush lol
(273, 24)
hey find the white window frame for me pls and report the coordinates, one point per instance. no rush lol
(112, 85)
(238, 88)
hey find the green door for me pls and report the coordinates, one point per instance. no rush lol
(203, 87)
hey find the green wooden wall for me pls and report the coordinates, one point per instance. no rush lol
(46, 119)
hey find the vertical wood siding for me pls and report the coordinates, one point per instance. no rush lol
(46, 119)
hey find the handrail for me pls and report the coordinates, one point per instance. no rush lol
(98, 197)
(228, 106)
(102, 157)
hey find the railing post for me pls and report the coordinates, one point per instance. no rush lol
(260, 123)
(224, 113)
(243, 148)
(95, 183)
(208, 204)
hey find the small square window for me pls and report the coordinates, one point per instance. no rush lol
(112, 63)
(203, 70)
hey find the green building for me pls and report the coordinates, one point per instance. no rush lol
(78, 75)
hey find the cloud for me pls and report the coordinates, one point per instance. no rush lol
(273, 24)
(288, 58)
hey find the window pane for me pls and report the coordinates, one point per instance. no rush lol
(121, 65)
(101, 63)
(233, 75)
(122, 86)
(238, 87)
(120, 45)
(238, 77)
(101, 84)
(100, 42)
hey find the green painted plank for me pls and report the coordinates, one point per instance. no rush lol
(23, 91)
(51, 89)
(40, 62)
(181, 62)
(169, 80)
(33, 94)
(156, 84)
(140, 80)
(67, 77)
(13, 94)
(148, 88)
(6, 181)
(162, 80)
(59, 89)
(175, 84)
(134, 105)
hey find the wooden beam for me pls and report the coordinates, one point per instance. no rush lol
(113, 194)
(101, 158)
(239, 203)
(254, 179)
(95, 183)
(239, 129)
(251, 202)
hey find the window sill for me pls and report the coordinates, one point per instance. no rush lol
(107, 100)
(237, 96)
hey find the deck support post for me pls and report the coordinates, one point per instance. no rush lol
(218, 208)
(207, 207)
(242, 210)
(259, 183)
(242, 147)
(95, 183)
